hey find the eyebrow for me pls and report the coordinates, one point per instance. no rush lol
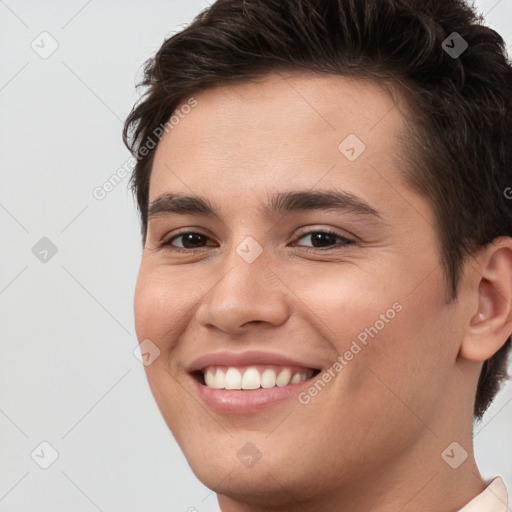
(280, 203)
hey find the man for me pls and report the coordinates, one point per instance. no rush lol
(326, 279)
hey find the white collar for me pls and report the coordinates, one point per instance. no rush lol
(494, 498)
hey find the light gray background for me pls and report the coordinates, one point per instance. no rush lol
(68, 375)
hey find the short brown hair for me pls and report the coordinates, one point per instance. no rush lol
(460, 145)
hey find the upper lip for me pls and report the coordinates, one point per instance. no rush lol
(247, 358)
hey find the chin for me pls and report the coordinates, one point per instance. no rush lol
(263, 486)
(274, 479)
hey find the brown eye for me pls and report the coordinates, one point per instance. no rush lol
(325, 238)
(320, 239)
(190, 240)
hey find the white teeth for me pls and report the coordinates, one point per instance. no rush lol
(283, 379)
(296, 378)
(220, 379)
(209, 378)
(252, 378)
(268, 378)
(233, 379)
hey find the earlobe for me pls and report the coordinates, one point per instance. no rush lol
(491, 323)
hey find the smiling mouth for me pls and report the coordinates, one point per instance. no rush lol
(246, 378)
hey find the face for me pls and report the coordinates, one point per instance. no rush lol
(317, 266)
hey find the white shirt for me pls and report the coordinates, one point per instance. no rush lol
(493, 498)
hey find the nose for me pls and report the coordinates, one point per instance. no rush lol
(244, 294)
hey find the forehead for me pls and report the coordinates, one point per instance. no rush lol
(284, 127)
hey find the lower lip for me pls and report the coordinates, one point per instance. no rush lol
(250, 401)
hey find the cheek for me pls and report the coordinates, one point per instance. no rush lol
(387, 336)
(159, 305)
(340, 300)
(410, 359)
(159, 318)
(146, 306)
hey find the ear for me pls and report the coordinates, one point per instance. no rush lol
(491, 320)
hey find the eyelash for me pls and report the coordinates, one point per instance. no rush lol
(345, 241)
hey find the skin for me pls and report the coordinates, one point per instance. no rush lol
(372, 439)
